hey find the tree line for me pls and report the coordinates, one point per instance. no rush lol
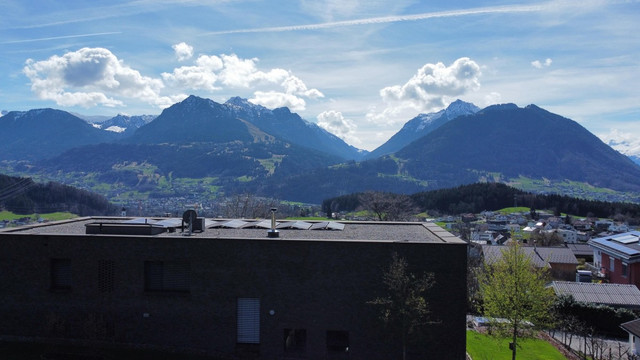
(478, 197)
(24, 196)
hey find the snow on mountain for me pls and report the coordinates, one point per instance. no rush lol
(122, 123)
(422, 125)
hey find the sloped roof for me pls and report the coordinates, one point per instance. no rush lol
(540, 256)
(632, 327)
(626, 295)
(625, 245)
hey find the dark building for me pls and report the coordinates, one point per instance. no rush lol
(229, 290)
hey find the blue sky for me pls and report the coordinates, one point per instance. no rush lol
(360, 69)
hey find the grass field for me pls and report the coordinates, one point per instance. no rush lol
(6, 215)
(485, 347)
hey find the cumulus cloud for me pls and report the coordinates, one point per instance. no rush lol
(96, 77)
(183, 51)
(335, 123)
(430, 89)
(539, 65)
(624, 142)
(278, 87)
(274, 99)
(90, 77)
(492, 98)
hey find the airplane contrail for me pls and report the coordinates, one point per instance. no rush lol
(388, 19)
(60, 37)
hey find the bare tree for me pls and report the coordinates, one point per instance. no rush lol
(388, 206)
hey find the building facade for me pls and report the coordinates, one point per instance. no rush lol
(229, 290)
(618, 257)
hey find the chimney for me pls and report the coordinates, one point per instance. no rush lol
(273, 233)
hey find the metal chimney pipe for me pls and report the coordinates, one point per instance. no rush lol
(273, 233)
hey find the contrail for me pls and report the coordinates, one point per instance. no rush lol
(388, 19)
(60, 37)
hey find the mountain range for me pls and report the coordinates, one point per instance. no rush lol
(422, 125)
(243, 147)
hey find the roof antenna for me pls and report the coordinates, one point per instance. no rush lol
(273, 233)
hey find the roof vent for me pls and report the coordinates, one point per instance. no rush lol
(192, 222)
(273, 232)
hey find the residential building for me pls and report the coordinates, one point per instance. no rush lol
(633, 329)
(614, 295)
(232, 288)
(559, 260)
(618, 257)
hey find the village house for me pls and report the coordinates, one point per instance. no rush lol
(560, 261)
(617, 256)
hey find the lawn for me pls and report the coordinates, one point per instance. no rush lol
(7, 215)
(485, 347)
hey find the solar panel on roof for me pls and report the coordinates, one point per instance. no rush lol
(335, 226)
(235, 224)
(319, 225)
(302, 225)
(625, 239)
(616, 246)
(264, 224)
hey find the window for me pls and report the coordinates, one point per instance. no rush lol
(105, 276)
(624, 269)
(612, 263)
(248, 321)
(167, 276)
(337, 341)
(295, 341)
(61, 274)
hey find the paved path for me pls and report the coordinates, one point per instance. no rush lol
(619, 347)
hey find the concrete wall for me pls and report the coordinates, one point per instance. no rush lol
(312, 285)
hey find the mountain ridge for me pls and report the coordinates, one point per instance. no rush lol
(422, 125)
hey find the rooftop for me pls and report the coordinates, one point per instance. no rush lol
(625, 245)
(540, 256)
(246, 229)
(626, 295)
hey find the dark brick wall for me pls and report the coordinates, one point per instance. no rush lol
(312, 285)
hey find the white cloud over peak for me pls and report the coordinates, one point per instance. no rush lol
(430, 89)
(539, 65)
(335, 123)
(183, 51)
(624, 142)
(91, 77)
(274, 88)
(274, 99)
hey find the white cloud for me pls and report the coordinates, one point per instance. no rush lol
(202, 76)
(335, 123)
(90, 77)
(539, 65)
(274, 99)
(274, 88)
(430, 89)
(492, 98)
(183, 51)
(624, 142)
(295, 86)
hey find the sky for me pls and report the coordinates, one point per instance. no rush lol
(360, 69)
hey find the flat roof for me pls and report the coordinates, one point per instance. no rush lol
(214, 228)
